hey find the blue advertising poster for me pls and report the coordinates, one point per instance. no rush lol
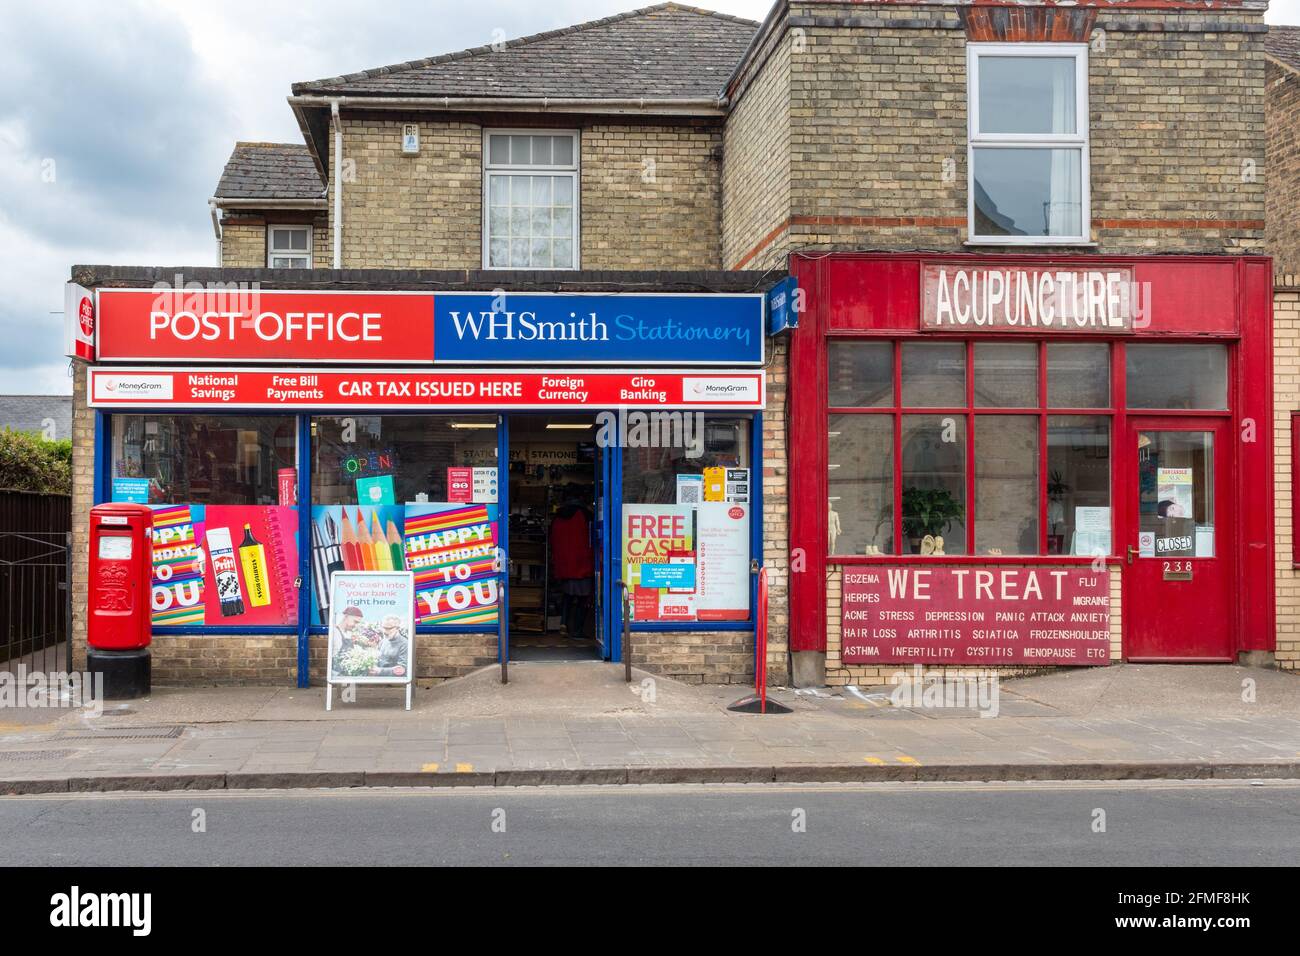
(539, 329)
(135, 490)
(668, 576)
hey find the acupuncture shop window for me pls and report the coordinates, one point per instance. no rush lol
(991, 448)
(288, 247)
(1028, 168)
(530, 200)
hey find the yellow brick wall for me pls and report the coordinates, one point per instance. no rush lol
(1286, 399)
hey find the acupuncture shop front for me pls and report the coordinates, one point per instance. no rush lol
(520, 453)
(1031, 461)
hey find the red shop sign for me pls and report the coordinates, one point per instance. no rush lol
(139, 325)
(426, 390)
(983, 616)
(970, 298)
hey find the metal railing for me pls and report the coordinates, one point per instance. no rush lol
(35, 600)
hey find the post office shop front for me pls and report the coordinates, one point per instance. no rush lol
(521, 453)
(1023, 461)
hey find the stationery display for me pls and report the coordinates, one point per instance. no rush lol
(224, 564)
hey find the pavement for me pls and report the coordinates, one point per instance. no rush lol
(578, 723)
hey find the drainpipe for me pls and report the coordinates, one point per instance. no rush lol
(338, 183)
(216, 226)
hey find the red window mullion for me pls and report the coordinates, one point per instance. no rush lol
(898, 447)
(970, 448)
(1042, 447)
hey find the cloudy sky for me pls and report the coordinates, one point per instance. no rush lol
(118, 117)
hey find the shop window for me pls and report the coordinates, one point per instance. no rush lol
(1006, 374)
(1028, 147)
(861, 373)
(996, 472)
(860, 516)
(1078, 375)
(934, 374)
(1006, 484)
(530, 198)
(409, 492)
(223, 489)
(1078, 484)
(288, 247)
(933, 476)
(1177, 376)
(687, 509)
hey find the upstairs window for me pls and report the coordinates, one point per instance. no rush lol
(530, 200)
(288, 247)
(1028, 149)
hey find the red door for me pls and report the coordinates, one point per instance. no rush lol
(1178, 603)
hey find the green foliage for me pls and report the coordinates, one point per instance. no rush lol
(929, 511)
(29, 462)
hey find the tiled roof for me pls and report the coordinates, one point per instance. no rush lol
(28, 413)
(1283, 43)
(270, 171)
(667, 51)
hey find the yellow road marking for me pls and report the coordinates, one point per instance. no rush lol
(464, 768)
(874, 760)
(429, 768)
(904, 758)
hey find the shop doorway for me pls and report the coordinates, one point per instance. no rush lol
(1178, 602)
(555, 604)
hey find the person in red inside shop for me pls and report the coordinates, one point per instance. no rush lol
(573, 565)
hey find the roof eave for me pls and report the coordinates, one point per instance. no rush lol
(642, 106)
(244, 202)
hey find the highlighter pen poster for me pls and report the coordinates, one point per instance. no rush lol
(230, 565)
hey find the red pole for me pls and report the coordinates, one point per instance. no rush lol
(760, 669)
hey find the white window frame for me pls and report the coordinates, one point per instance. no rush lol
(272, 253)
(574, 171)
(1077, 140)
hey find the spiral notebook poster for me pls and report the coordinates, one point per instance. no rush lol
(451, 547)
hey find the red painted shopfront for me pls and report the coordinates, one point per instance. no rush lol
(988, 420)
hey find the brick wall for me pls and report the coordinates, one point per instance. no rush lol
(83, 495)
(409, 212)
(1286, 399)
(877, 107)
(1283, 202)
(756, 175)
(243, 237)
(649, 199)
(868, 675)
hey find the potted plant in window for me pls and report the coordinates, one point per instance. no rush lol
(928, 511)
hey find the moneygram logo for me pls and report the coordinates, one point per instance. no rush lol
(133, 386)
(720, 389)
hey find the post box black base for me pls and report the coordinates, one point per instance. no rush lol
(126, 673)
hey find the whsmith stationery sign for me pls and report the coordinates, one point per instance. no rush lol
(962, 298)
(425, 328)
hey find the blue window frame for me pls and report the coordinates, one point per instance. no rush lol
(609, 518)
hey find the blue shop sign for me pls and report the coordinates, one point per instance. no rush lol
(542, 329)
(781, 301)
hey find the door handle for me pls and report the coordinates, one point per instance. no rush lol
(1131, 552)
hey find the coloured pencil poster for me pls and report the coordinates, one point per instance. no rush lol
(352, 538)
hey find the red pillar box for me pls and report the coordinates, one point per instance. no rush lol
(118, 627)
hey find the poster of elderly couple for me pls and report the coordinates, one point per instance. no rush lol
(371, 629)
